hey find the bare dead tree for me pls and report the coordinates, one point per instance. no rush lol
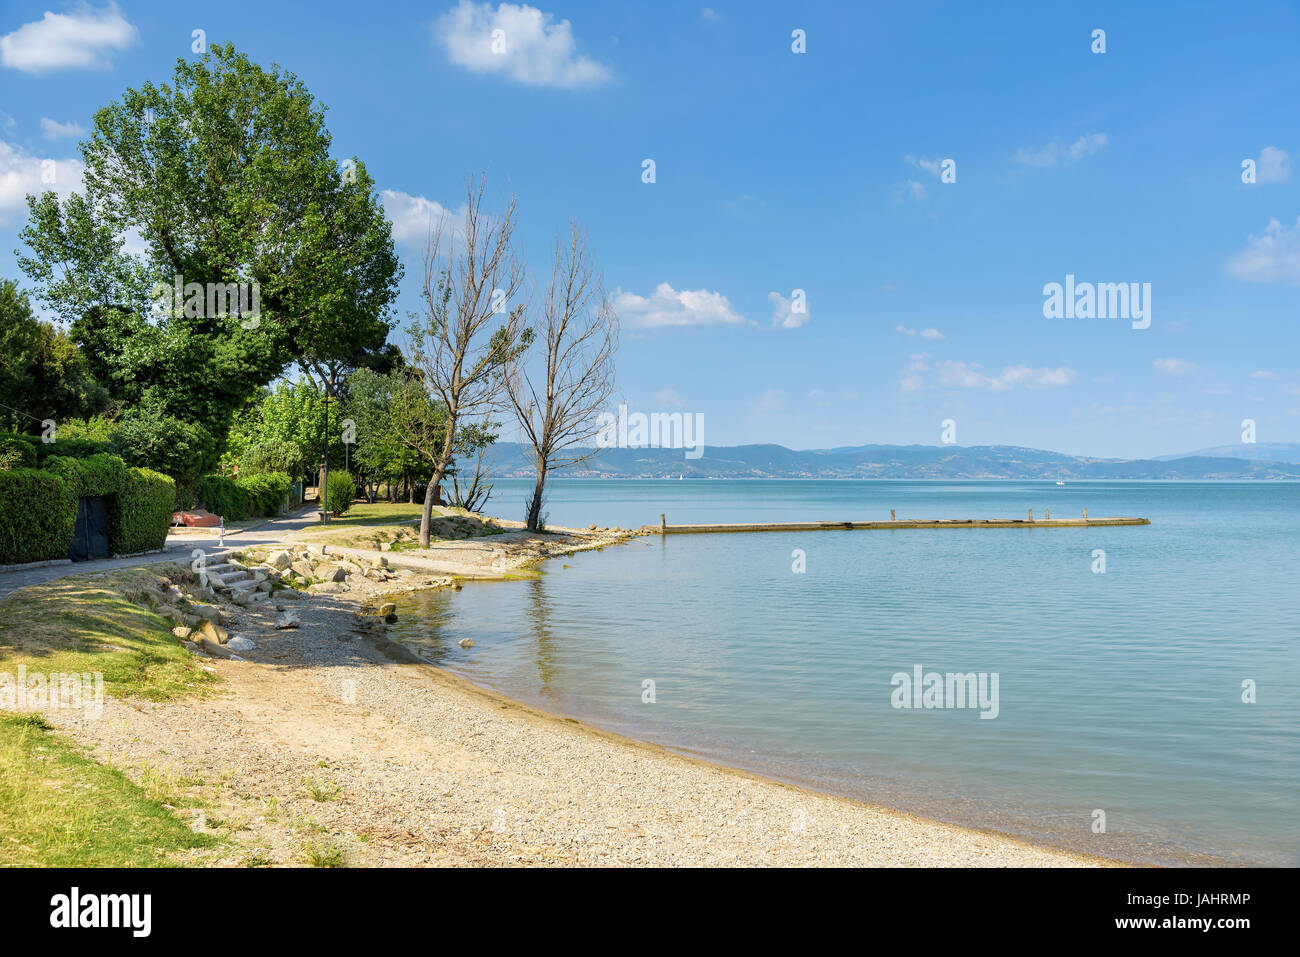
(475, 495)
(557, 397)
(468, 332)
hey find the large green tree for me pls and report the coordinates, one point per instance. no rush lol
(224, 175)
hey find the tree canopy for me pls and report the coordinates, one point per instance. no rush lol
(222, 176)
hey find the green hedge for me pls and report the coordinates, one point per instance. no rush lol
(269, 490)
(243, 498)
(38, 511)
(140, 501)
(225, 497)
(140, 515)
(19, 451)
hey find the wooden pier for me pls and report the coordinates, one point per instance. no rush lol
(1045, 522)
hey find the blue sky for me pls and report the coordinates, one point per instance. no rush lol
(777, 171)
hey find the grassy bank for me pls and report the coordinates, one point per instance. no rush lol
(58, 806)
(101, 623)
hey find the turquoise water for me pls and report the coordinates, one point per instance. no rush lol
(1119, 692)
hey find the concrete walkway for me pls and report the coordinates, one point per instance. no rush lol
(179, 547)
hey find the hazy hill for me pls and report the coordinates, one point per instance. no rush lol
(903, 462)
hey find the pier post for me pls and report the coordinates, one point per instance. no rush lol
(1047, 514)
(1031, 514)
(663, 524)
(891, 516)
(1085, 514)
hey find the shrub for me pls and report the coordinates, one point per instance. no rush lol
(140, 513)
(148, 439)
(38, 511)
(70, 448)
(96, 428)
(225, 497)
(100, 474)
(340, 490)
(269, 491)
(16, 452)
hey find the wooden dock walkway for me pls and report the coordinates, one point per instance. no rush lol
(1045, 522)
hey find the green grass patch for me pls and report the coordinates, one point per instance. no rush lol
(397, 525)
(60, 808)
(101, 623)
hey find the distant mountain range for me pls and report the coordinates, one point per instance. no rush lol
(1251, 462)
(1263, 451)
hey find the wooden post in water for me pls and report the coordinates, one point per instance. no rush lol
(663, 524)
(1047, 514)
(1031, 514)
(891, 516)
(1085, 514)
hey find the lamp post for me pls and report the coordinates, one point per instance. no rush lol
(325, 481)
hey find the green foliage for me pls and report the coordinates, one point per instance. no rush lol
(340, 490)
(140, 502)
(230, 180)
(388, 409)
(282, 431)
(238, 499)
(222, 495)
(38, 511)
(269, 490)
(42, 373)
(16, 452)
(96, 428)
(148, 438)
(139, 516)
(100, 474)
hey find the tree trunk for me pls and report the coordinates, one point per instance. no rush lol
(435, 482)
(534, 517)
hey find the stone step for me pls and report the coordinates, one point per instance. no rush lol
(244, 586)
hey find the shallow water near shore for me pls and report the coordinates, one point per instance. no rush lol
(1118, 692)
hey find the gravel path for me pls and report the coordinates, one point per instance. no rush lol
(324, 741)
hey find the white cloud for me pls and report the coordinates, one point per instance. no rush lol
(784, 315)
(1057, 152)
(928, 333)
(711, 15)
(1273, 256)
(773, 400)
(668, 307)
(911, 189)
(1263, 374)
(530, 48)
(413, 217)
(54, 130)
(21, 173)
(967, 376)
(670, 399)
(82, 39)
(1175, 366)
(1273, 166)
(932, 166)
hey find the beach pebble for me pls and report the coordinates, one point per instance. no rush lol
(466, 642)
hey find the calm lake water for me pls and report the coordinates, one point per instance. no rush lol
(1119, 692)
